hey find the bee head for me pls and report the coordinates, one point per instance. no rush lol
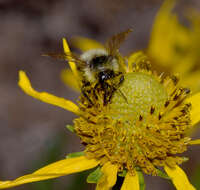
(99, 60)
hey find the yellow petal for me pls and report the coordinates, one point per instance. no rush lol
(85, 44)
(25, 85)
(131, 182)
(195, 142)
(68, 78)
(164, 20)
(109, 177)
(54, 170)
(195, 111)
(179, 178)
(71, 63)
(168, 31)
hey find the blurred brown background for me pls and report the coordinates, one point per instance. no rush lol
(33, 133)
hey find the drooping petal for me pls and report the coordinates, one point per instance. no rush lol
(109, 178)
(54, 170)
(68, 78)
(179, 178)
(25, 85)
(195, 111)
(131, 182)
(85, 44)
(195, 142)
(71, 63)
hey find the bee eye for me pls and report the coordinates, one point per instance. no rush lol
(97, 61)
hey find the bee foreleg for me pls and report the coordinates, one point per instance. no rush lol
(108, 91)
(87, 97)
(95, 91)
(86, 91)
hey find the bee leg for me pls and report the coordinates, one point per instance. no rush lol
(111, 94)
(122, 94)
(95, 90)
(105, 102)
(108, 91)
(85, 93)
(116, 88)
(87, 97)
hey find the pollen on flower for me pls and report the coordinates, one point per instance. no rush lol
(144, 125)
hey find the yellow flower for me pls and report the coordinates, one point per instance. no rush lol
(175, 47)
(144, 127)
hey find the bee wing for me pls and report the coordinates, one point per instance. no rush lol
(67, 56)
(113, 44)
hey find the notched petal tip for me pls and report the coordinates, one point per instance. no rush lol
(25, 84)
(23, 79)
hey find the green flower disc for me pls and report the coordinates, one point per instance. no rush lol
(135, 97)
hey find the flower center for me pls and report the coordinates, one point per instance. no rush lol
(139, 94)
(144, 125)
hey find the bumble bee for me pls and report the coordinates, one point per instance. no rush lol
(100, 69)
